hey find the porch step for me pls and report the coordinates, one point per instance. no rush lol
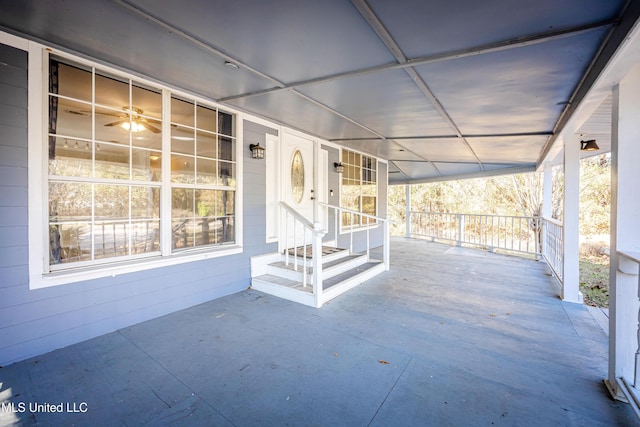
(330, 268)
(341, 271)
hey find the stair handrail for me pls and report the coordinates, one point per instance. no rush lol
(385, 223)
(317, 233)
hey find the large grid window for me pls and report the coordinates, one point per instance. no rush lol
(106, 186)
(359, 188)
(202, 175)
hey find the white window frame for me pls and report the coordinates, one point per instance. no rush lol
(344, 229)
(38, 183)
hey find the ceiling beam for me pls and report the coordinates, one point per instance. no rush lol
(494, 135)
(406, 177)
(388, 40)
(483, 174)
(462, 53)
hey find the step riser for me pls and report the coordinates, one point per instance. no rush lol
(327, 273)
(283, 292)
(288, 273)
(325, 258)
(346, 285)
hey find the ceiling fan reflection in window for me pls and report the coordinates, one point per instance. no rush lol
(131, 119)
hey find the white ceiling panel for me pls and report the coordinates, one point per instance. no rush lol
(396, 108)
(281, 106)
(424, 28)
(417, 170)
(440, 149)
(508, 150)
(533, 83)
(384, 149)
(457, 168)
(289, 40)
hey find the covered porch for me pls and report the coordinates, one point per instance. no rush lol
(447, 336)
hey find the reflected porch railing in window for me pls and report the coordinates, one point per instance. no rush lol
(77, 241)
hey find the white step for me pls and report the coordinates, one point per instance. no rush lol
(329, 268)
(341, 271)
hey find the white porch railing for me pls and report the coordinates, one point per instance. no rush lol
(509, 233)
(302, 235)
(628, 314)
(552, 247)
(294, 225)
(355, 227)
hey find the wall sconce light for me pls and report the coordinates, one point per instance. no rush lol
(257, 152)
(338, 167)
(589, 145)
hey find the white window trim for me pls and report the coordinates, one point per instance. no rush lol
(37, 182)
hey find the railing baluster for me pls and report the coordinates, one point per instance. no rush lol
(351, 234)
(295, 245)
(368, 228)
(304, 259)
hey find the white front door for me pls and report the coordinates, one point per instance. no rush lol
(297, 174)
(297, 167)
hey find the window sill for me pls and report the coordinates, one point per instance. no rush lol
(38, 280)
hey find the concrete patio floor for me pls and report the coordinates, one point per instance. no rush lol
(448, 337)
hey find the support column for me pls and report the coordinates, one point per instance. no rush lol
(407, 216)
(570, 221)
(625, 233)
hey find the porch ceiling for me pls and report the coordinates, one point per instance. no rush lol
(440, 89)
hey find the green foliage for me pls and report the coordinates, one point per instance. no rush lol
(519, 194)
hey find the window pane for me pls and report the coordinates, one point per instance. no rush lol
(182, 112)
(69, 158)
(69, 118)
(228, 229)
(206, 145)
(145, 236)
(226, 174)
(69, 222)
(112, 161)
(146, 165)
(111, 239)
(151, 137)
(109, 125)
(225, 124)
(112, 92)
(206, 173)
(182, 169)
(111, 202)
(182, 140)
(228, 201)
(145, 202)
(72, 81)
(369, 205)
(205, 118)
(182, 212)
(69, 242)
(69, 201)
(182, 203)
(205, 207)
(225, 149)
(148, 100)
